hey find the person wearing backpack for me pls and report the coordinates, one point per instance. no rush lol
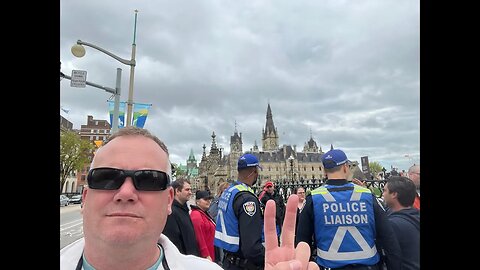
(399, 194)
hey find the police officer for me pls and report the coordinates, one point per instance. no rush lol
(240, 220)
(347, 224)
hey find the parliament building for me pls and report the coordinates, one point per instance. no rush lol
(278, 162)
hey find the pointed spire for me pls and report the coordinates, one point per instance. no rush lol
(269, 111)
(311, 136)
(204, 155)
(331, 146)
(191, 157)
(214, 144)
(269, 126)
(270, 133)
(235, 126)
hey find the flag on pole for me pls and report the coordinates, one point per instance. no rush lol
(121, 113)
(140, 113)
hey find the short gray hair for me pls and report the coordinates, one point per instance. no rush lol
(132, 130)
(136, 131)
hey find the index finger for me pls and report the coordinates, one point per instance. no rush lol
(288, 229)
(269, 229)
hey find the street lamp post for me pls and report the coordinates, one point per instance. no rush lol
(115, 92)
(79, 51)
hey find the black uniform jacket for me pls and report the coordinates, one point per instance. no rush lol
(250, 229)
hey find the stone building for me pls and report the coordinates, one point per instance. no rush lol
(279, 162)
(191, 171)
(65, 124)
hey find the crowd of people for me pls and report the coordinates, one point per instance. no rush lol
(135, 217)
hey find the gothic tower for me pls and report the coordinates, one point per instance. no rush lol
(311, 145)
(235, 153)
(213, 162)
(191, 161)
(270, 134)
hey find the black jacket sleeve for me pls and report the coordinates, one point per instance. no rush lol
(172, 231)
(280, 214)
(250, 228)
(304, 230)
(386, 239)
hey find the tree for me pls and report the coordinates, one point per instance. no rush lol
(74, 154)
(375, 168)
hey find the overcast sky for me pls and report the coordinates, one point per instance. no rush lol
(346, 71)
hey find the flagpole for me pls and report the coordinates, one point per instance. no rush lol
(117, 101)
(132, 71)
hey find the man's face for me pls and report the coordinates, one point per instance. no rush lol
(126, 216)
(270, 189)
(387, 196)
(415, 177)
(185, 194)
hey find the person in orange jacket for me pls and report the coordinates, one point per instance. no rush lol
(414, 175)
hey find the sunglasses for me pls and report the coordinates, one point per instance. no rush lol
(112, 179)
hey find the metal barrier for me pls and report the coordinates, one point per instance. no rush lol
(286, 187)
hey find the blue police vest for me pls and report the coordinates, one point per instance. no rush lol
(344, 226)
(226, 230)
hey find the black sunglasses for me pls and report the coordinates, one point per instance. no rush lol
(112, 179)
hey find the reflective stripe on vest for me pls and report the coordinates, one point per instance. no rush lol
(332, 257)
(232, 240)
(226, 229)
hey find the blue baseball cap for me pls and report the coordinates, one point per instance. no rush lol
(334, 158)
(248, 160)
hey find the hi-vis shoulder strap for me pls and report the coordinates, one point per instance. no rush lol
(241, 187)
(332, 253)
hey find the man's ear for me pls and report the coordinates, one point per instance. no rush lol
(170, 200)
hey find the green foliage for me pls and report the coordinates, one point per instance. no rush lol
(74, 154)
(375, 167)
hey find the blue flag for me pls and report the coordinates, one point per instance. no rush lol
(121, 113)
(140, 113)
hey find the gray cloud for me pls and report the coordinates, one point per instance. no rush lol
(346, 70)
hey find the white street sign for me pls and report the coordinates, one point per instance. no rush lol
(79, 78)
